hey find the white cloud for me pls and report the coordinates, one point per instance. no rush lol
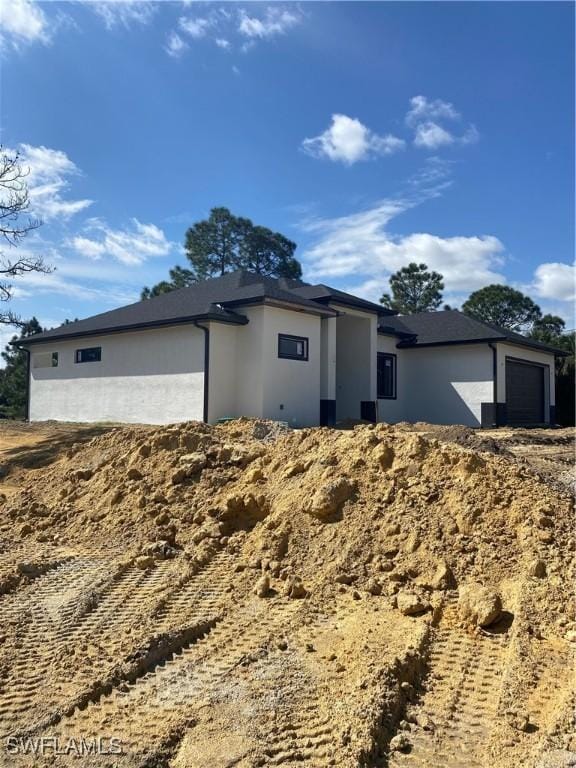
(129, 246)
(222, 43)
(123, 13)
(425, 117)
(423, 110)
(22, 22)
(197, 27)
(555, 280)
(275, 21)
(471, 136)
(175, 46)
(361, 248)
(47, 182)
(347, 140)
(432, 136)
(55, 283)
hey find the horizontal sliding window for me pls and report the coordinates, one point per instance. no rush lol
(89, 355)
(386, 380)
(292, 347)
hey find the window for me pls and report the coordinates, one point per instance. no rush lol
(45, 360)
(386, 367)
(292, 347)
(89, 355)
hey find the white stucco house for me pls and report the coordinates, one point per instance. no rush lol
(248, 345)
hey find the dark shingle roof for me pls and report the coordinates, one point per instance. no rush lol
(213, 299)
(452, 327)
(323, 293)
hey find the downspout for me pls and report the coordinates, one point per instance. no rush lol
(495, 381)
(206, 367)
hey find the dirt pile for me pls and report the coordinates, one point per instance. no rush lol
(322, 567)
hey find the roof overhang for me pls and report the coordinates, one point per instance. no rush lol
(234, 319)
(407, 344)
(293, 306)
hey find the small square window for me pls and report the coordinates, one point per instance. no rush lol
(292, 347)
(89, 355)
(54, 359)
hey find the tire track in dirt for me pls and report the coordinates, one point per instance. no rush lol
(40, 604)
(117, 606)
(542, 700)
(303, 735)
(459, 706)
(171, 689)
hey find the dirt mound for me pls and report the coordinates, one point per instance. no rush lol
(296, 550)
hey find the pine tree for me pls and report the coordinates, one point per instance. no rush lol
(13, 377)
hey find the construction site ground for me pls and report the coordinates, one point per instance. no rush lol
(245, 595)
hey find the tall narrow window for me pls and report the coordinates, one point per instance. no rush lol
(386, 367)
(89, 355)
(292, 347)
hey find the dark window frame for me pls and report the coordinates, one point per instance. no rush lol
(303, 358)
(78, 355)
(54, 360)
(394, 359)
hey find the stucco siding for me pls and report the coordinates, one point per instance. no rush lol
(392, 411)
(247, 378)
(447, 385)
(223, 374)
(356, 348)
(291, 388)
(154, 376)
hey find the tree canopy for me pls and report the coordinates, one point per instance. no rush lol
(13, 384)
(414, 289)
(224, 243)
(503, 306)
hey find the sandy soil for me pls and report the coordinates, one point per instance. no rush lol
(249, 596)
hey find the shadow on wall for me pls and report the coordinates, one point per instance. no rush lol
(47, 450)
(443, 405)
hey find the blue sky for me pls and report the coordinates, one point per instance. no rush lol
(372, 134)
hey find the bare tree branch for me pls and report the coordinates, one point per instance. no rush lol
(14, 202)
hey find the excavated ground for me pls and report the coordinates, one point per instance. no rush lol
(202, 597)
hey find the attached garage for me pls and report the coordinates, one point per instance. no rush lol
(525, 392)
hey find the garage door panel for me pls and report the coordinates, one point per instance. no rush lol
(524, 393)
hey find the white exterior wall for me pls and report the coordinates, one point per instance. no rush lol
(247, 378)
(356, 348)
(328, 358)
(393, 411)
(153, 376)
(446, 385)
(222, 370)
(293, 384)
(530, 356)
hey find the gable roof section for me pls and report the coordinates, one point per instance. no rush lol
(214, 299)
(427, 329)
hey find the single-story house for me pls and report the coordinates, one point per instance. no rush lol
(248, 345)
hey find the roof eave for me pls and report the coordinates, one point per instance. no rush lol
(406, 344)
(450, 343)
(360, 305)
(294, 306)
(214, 316)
